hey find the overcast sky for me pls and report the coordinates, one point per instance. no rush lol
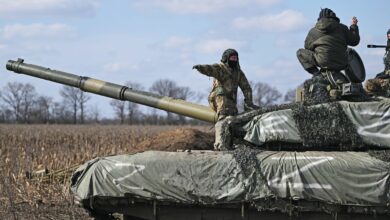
(146, 40)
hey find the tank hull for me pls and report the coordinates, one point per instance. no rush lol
(137, 210)
(162, 185)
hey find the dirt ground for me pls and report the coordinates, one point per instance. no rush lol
(178, 140)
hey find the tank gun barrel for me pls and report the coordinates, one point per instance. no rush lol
(377, 46)
(115, 91)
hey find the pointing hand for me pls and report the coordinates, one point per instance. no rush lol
(196, 67)
(354, 20)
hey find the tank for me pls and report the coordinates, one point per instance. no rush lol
(296, 161)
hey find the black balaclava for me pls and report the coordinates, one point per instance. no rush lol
(327, 13)
(225, 57)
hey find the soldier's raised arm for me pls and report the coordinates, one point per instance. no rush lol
(213, 70)
(353, 37)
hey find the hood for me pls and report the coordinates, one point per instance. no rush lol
(327, 25)
(227, 53)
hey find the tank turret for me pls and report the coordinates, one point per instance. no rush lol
(115, 91)
(338, 125)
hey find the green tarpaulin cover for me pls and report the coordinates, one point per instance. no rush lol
(371, 121)
(344, 178)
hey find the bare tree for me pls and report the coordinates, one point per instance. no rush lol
(43, 108)
(71, 98)
(2, 114)
(289, 97)
(7, 115)
(2, 111)
(185, 93)
(95, 113)
(19, 98)
(61, 114)
(29, 96)
(12, 98)
(119, 109)
(131, 107)
(83, 99)
(165, 87)
(265, 95)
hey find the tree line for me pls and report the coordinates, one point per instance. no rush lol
(20, 103)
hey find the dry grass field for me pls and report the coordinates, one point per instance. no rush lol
(25, 149)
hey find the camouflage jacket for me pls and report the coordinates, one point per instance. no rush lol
(329, 40)
(386, 72)
(386, 60)
(227, 80)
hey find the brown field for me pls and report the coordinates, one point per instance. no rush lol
(25, 149)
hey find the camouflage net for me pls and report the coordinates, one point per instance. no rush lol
(326, 126)
(383, 155)
(246, 158)
(315, 90)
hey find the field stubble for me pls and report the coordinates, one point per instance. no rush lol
(28, 148)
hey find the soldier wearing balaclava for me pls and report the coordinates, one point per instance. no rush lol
(228, 76)
(326, 43)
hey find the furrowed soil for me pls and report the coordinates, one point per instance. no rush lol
(29, 152)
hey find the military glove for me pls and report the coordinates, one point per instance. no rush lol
(383, 75)
(354, 20)
(197, 67)
(250, 107)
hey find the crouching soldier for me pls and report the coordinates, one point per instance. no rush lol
(325, 54)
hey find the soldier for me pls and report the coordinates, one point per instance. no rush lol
(326, 43)
(228, 76)
(380, 85)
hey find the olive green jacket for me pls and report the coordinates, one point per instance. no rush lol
(329, 40)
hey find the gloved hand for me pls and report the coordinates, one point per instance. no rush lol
(250, 107)
(197, 67)
(354, 20)
(383, 75)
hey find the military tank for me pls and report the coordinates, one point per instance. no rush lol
(298, 161)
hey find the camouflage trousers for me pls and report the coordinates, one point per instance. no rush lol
(223, 106)
(223, 134)
(378, 87)
(306, 58)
